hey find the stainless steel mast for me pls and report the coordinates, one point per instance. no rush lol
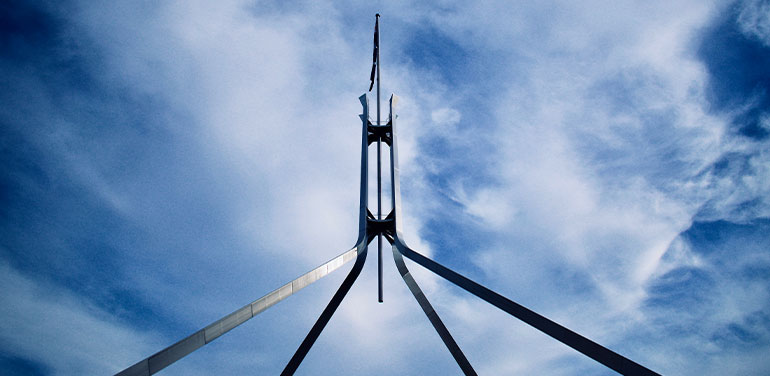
(389, 227)
(379, 162)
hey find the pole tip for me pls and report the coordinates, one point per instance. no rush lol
(377, 15)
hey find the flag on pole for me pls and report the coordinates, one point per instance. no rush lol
(376, 57)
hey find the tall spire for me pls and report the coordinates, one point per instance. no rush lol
(389, 227)
(379, 157)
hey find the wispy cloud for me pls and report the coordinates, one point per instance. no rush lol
(67, 333)
(169, 163)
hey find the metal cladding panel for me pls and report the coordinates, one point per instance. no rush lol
(335, 263)
(176, 351)
(349, 256)
(321, 271)
(182, 348)
(303, 281)
(258, 306)
(284, 291)
(226, 323)
(139, 369)
(265, 302)
(272, 298)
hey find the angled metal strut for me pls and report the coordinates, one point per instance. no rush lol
(184, 347)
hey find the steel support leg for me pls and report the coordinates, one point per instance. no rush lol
(326, 315)
(564, 335)
(442, 331)
(184, 347)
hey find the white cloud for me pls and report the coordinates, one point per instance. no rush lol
(445, 116)
(754, 19)
(68, 334)
(599, 155)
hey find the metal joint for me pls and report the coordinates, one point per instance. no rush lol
(379, 133)
(384, 226)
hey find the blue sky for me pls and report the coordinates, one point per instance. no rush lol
(603, 163)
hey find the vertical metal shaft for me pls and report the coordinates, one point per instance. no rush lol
(379, 216)
(379, 173)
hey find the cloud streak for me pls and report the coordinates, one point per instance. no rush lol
(168, 163)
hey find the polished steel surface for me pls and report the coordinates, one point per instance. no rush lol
(228, 322)
(379, 162)
(177, 351)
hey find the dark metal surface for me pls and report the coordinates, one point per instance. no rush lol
(326, 315)
(441, 329)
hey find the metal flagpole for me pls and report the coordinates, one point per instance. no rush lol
(379, 168)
